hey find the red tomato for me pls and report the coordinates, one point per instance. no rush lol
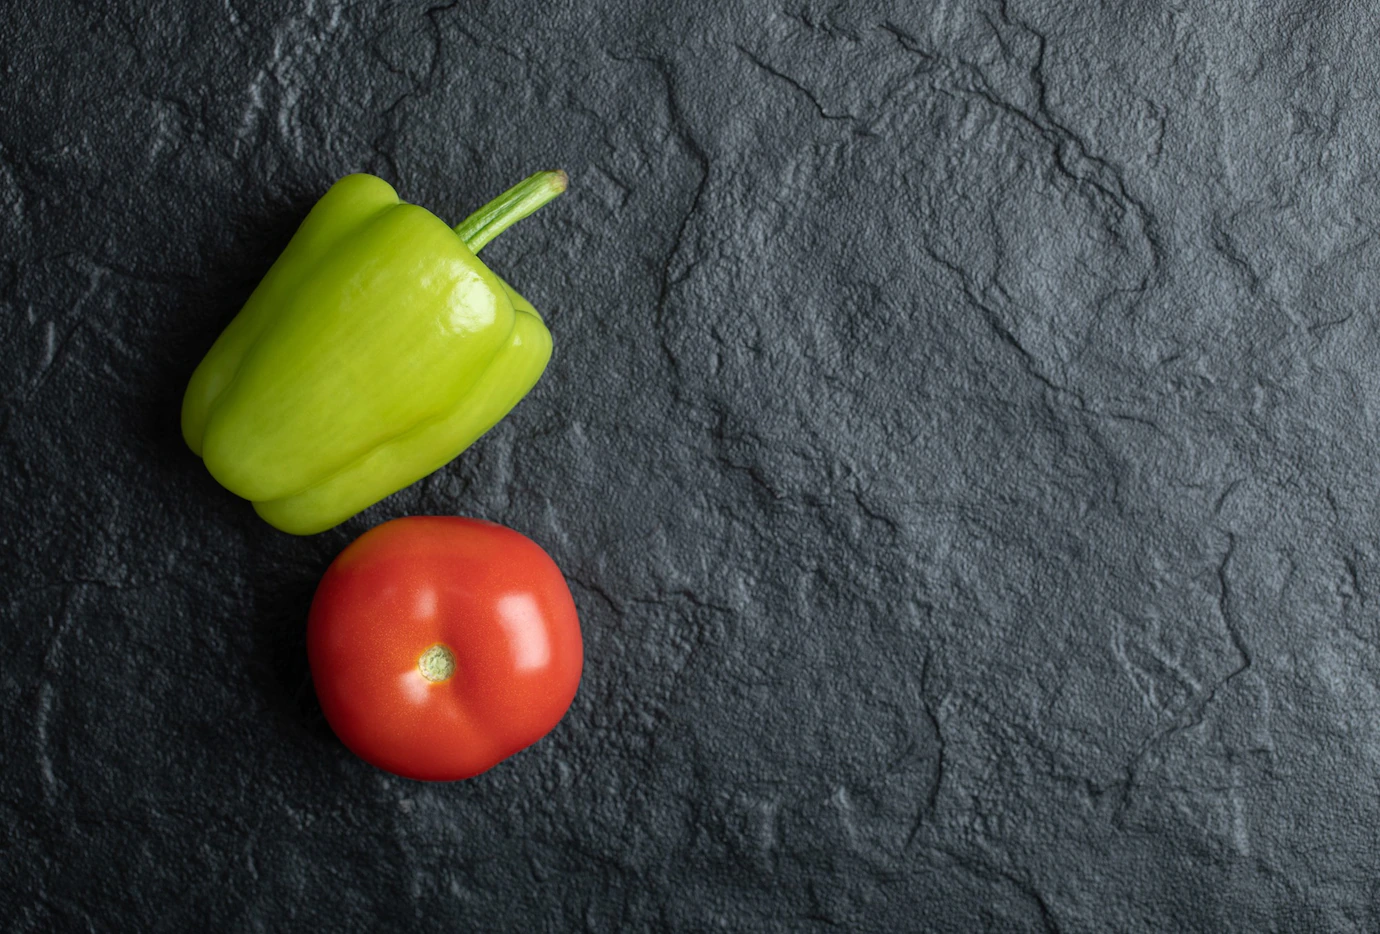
(440, 646)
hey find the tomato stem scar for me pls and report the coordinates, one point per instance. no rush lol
(437, 663)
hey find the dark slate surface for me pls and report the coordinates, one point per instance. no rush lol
(960, 443)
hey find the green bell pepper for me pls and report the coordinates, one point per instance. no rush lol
(376, 349)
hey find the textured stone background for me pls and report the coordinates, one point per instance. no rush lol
(960, 443)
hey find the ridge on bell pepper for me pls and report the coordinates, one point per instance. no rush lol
(375, 350)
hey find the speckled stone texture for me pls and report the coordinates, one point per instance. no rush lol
(960, 442)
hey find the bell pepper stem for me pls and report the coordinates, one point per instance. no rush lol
(520, 201)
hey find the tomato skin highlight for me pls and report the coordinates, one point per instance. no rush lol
(496, 604)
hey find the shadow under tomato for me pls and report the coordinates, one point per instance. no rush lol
(283, 589)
